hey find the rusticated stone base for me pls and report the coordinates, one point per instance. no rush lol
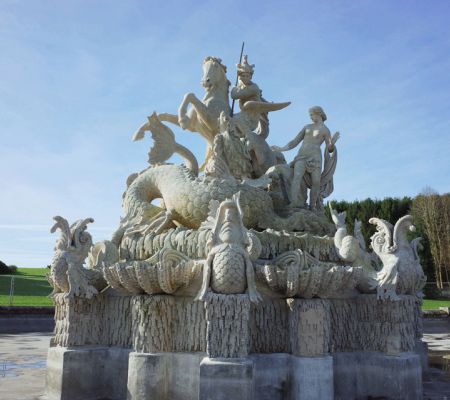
(229, 326)
(283, 349)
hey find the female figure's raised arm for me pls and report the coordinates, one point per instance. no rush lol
(300, 136)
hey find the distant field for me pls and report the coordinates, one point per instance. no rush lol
(31, 288)
(435, 304)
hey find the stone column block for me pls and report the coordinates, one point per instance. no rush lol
(171, 376)
(312, 378)
(309, 327)
(373, 374)
(148, 376)
(225, 379)
(86, 373)
(228, 325)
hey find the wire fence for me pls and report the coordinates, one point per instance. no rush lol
(17, 290)
(26, 290)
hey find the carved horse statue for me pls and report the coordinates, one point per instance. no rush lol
(203, 116)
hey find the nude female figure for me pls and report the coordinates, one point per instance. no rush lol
(309, 157)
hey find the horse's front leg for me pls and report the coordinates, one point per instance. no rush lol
(172, 118)
(183, 119)
(140, 133)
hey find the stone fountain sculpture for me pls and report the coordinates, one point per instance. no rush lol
(231, 288)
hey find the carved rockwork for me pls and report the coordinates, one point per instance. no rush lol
(102, 320)
(231, 325)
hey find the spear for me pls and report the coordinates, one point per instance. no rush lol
(237, 77)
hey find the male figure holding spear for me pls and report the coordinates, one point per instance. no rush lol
(253, 107)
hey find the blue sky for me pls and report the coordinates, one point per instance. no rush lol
(79, 77)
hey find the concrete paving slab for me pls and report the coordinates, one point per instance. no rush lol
(23, 361)
(22, 365)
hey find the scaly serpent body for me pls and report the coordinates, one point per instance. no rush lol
(228, 270)
(188, 198)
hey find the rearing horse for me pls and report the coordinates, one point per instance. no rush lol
(203, 116)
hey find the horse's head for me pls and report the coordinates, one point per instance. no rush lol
(214, 73)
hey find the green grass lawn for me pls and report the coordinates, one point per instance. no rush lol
(435, 304)
(31, 288)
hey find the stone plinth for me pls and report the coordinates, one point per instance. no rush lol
(85, 373)
(377, 375)
(223, 379)
(163, 376)
(172, 348)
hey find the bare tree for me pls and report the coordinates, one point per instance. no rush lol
(432, 211)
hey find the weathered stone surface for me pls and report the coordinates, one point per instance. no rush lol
(272, 376)
(224, 379)
(371, 374)
(231, 265)
(166, 323)
(365, 324)
(103, 320)
(228, 328)
(87, 373)
(309, 327)
(269, 327)
(312, 378)
(163, 376)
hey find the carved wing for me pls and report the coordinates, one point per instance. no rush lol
(401, 228)
(64, 241)
(338, 218)
(383, 236)
(387, 280)
(77, 229)
(164, 141)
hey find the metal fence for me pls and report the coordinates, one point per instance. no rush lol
(18, 290)
(14, 290)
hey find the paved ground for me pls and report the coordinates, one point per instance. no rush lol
(22, 363)
(437, 334)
